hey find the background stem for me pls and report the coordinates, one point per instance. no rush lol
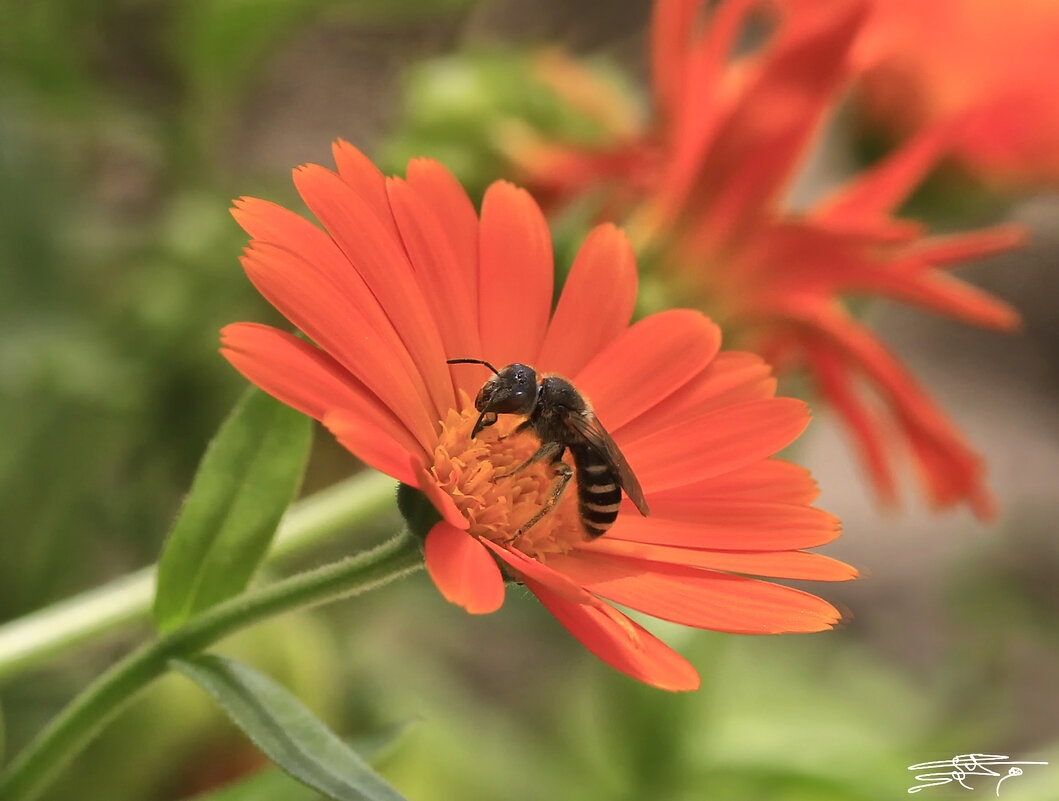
(34, 638)
(71, 730)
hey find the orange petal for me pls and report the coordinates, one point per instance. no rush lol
(270, 223)
(515, 278)
(326, 314)
(308, 379)
(688, 504)
(325, 272)
(776, 564)
(528, 567)
(596, 303)
(703, 523)
(445, 197)
(879, 191)
(672, 24)
(869, 432)
(948, 466)
(688, 58)
(715, 443)
(732, 377)
(442, 501)
(373, 446)
(442, 279)
(379, 257)
(647, 362)
(957, 248)
(769, 481)
(754, 152)
(365, 179)
(699, 598)
(620, 642)
(463, 570)
(914, 283)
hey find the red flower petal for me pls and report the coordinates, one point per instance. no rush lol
(715, 443)
(528, 567)
(372, 446)
(442, 501)
(308, 379)
(596, 302)
(620, 642)
(445, 197)
(721, 524)
(954, 249)
(866, 427)
(444, 281)
(755, 149)
(365, 179)
(768, 481)
(327, 315)
(326, 271)
(672, 23)
(516, 276)
(699, 598)
(733, 377)
(379, 258)
(463, 570)
(778, 564)
(647, 362)
(878, 191)
(688, 60)
(951, 469)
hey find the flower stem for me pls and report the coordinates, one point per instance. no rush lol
(71, 730)
(30, 640)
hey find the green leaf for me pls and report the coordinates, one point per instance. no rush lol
(272, 784)
(285, 731)
(245, 481)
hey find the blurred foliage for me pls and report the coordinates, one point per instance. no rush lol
(469, 108)
(122, 123)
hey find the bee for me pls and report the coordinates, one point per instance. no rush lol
(562, 419)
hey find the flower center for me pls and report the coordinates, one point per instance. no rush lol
(481, 475)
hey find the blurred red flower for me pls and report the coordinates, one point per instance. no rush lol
(704, 187)
(995, 59)
(404, 276)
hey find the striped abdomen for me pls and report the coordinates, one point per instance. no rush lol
(598, 490)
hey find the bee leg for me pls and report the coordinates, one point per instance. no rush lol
(563, 474)
(549, 450)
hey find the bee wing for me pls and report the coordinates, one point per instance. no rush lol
(589, 427)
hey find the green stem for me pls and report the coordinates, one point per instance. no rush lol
(71, 730)
(34, 638)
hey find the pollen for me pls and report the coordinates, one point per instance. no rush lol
(482, 476)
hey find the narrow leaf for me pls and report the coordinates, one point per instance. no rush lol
(285, 731)
(245, 481)
(273, 784)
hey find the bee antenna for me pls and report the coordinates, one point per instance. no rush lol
(473, 361)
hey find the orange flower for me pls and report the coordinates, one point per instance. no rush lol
(405, 276)
(928, 61)
(709, 181)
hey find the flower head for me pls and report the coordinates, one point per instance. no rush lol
(405, 276)
(996, 58)
(706, 185)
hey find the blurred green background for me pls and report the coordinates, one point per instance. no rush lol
(126, 127)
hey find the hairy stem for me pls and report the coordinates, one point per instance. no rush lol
(31, 640)
(72, 729)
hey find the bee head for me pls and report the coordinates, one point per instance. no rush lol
(512, 390)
